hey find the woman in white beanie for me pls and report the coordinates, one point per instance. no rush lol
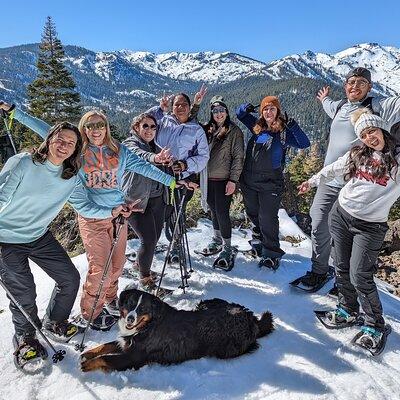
(358, 226)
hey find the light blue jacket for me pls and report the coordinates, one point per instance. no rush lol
(31, 196)
(102, 170)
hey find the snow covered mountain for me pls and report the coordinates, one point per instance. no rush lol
(300, 360)
(382, 61)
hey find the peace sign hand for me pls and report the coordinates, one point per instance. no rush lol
(199, 96)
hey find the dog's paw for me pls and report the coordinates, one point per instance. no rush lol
(94, 364)
(88, 355)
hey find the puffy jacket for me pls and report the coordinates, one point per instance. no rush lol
(226, 154)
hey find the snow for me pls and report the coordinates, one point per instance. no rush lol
(299, 360)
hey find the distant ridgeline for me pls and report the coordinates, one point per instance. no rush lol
(126, 83)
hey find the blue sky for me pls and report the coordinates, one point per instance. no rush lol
(264, 30)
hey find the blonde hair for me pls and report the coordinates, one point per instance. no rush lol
(109, 141)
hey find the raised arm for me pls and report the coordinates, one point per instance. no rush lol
(248, 119)
(136, 164)
(35, 124)
(295, 136)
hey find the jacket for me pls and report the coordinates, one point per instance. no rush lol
(136, 186)
(226, 154)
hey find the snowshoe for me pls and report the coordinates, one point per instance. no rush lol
(371, 339)
(255, 251)
(339, 318)
(212, 248)
(103, 322)
(226, 259)
(132, 272)
(61, 332)
(269, 262)
(112, 308)
(29, 354)
(149, 285)
(173, 257)
(334, 292)
(312, 282)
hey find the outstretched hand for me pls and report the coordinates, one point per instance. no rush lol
(4, 106)
(199, 96)
(304, 187)
(322, 93)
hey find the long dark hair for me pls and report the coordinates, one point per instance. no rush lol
(362, 156)
(72, 164)
(211, 126)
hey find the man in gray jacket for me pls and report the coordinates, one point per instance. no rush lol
(341, 138)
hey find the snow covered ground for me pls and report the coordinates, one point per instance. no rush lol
(299, 360)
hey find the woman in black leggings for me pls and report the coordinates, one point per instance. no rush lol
(225, 165)
(148, 223)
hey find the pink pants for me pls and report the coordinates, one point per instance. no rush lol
(97, 237)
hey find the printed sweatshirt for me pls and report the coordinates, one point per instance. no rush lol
(362, 196)
(102, 169)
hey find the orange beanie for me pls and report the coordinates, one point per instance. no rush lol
(270, 100)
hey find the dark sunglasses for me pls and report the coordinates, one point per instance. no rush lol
(91, 126)
(147, 126)
(218, 110)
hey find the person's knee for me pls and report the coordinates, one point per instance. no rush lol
(73, 280)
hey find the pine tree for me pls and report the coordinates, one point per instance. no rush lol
(52, 95)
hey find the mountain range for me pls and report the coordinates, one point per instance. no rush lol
(128, 82)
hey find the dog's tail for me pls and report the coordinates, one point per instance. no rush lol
(265, 324)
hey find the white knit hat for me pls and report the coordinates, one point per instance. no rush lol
(367, 120)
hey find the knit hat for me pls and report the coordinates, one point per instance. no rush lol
(360, 71)
(269, 100)
(363, 118)
(218, 101)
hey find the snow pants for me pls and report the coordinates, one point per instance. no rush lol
(321, 207)
(97, 237)
(148, 227)
(262, 206)
(219, 205)
(357, 244)
(16, 274)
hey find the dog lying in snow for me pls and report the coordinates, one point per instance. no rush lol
(151, 331)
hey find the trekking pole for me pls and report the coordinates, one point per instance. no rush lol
(173, 239)
(119, 222)
(58, 354)
(5, 115)
(187, 245)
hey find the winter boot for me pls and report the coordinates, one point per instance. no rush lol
(339, 318)
(269, 262)
(226, 259)
(62, 331)
(372, 339)
(214, 247)
(149, 285)
(27, 350)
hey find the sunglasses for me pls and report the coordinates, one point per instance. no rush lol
(91, 126)
(147, 126)
(218, 110)
(358, 83)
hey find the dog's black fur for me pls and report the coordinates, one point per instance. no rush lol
(154, 332)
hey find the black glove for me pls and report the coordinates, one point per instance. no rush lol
(289, 122)
(179, 166)
(250, 108)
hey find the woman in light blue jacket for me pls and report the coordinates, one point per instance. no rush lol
(104, 162)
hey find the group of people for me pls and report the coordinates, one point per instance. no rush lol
(167, 149)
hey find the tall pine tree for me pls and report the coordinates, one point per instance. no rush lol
(52, 95)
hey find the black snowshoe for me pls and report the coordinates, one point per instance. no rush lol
(312, 282)
(339, 318)
(132, 272)
(226, 259)
(212, 248)
(61, 332)
(371, 339)
(255, 250)
(269, 262)
(29, 354)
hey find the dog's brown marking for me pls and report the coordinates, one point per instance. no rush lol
(99, 351)
(95, 364)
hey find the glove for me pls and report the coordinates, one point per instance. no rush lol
(250, 108)
(179, 166)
